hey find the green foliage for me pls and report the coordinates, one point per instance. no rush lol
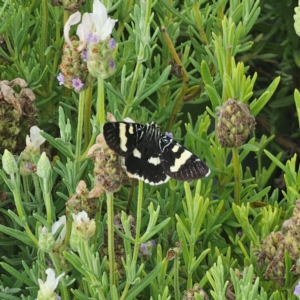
(177, 63)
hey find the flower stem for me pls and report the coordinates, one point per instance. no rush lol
(87, 116)
(79, 129)
(237, 179)
(110, 233)
(100, 103)
(176, 276)
(138, 223)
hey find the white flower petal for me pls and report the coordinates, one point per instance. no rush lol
(103, 24)
(51, 282)
(84, 30)
(107, 28)
(100, 10)
(81, 217)
(36, 139)
(57, 224)
(73, 19)
(49, 286)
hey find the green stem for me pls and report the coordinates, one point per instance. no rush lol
(171, 212)
(110, 233)
(44, 33)
(137, 236)
(79, 129)
(68, 231)
(20, 207)
(130, 97)
(48, 200)
(26, 196)
(138, 223)
(98, 220)
(176, 276)
(37, 192)
(100, 103)
(237, 179)
(87, 116)
(190, 272)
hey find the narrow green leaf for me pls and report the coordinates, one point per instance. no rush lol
(155, 229)
(205, 73)
(22, 236)
(138, 288)
(60, 145)
(8, 297)
(153, 87)
(297, 102)
(257, 105)
(17, 274)
(76, 262)
(214, 97)
(276, 161)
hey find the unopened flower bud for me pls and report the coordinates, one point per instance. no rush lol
(82, 229)
(9, 163)
(297, 19)
(46, 240)
(43, 166)
(100, 60)
(235, 122)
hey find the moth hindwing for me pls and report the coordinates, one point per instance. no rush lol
(151, 156)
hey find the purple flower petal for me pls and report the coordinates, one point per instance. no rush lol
(112, 65)
(85, 54)
(89, 37)
(112, 43)
(143, 249)
(297, 290)
(77, 84)
(95, 39)
(61, 79)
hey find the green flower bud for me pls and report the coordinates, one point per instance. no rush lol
(101, 58)
(43, 167)
(9, 163)
(46, 240)
(82, 229)
(297, 19)
(235, 122)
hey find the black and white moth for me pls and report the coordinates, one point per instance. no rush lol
(151, 156)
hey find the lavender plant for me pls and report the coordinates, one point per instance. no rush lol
(73, 224)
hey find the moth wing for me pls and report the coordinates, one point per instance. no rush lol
(148, 169)
(180, 163)
(138, 147)
(122, 137)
